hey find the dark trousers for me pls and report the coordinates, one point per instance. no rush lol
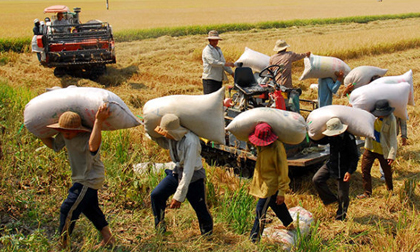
(367, 161)
(320, 181)
(210, 86)
(196, 196)
(81, 199)
(281, 212)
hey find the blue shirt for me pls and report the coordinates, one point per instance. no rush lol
(326, 88)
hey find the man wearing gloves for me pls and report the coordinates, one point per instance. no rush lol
(186, 180)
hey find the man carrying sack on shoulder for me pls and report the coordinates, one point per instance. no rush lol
(186, 180)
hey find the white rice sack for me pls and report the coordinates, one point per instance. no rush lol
(289, 126)
(407, 77)
(150, 167)
(202, 114)
(289, 237)
(360, 122)
(365, 97)
(34, 45)
(285, 237)
(301, 214)
(362, 75)
(46, 108)
(322, 67)
(255, 60)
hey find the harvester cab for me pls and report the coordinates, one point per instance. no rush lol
(75, 48)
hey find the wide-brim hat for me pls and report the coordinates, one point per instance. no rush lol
(280, 45)
(69, 121)
(382, 108)
(213, 34)
(170, 125)
(334, 127)
(263, 135)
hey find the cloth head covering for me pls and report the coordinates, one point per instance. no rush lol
(382, 108)
(213, 34)
(263, 135)
(69, 121)
(170, 125)
(280, 45)
(334, 127)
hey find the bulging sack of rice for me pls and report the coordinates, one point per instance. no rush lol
(360, 122)
(289, 126)
(322, 67)
(255, 60)
(365, 97)
(288, 238)
(362, 75)
(202, 114)
(34, 44)
(46, 108)
(406, 77)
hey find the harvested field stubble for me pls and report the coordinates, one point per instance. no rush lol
(34, 181)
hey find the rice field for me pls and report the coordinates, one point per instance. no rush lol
(18, 15)
(34, 180)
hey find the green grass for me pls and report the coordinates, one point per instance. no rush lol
(23, 44)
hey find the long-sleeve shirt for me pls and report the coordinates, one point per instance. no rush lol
(286, 59)
(344, 154)
(326, 88)
(387, 139)
(271, 172)
(37, 30)
(185, 153)
(214, 64)
(402, 124)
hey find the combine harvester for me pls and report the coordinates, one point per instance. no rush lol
(77, 49)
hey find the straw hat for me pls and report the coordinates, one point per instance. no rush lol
(280, 45)
(170, 125)
(69, 121)
(263, 135)
(334, 127)
(382, 108)
(213, 34)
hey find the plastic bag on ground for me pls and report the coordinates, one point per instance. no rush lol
(148, 167)
(288, 238)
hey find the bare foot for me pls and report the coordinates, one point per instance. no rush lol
(108, 238)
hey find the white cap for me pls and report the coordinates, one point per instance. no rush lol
(36, 20)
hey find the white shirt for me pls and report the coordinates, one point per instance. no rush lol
(214, 64)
